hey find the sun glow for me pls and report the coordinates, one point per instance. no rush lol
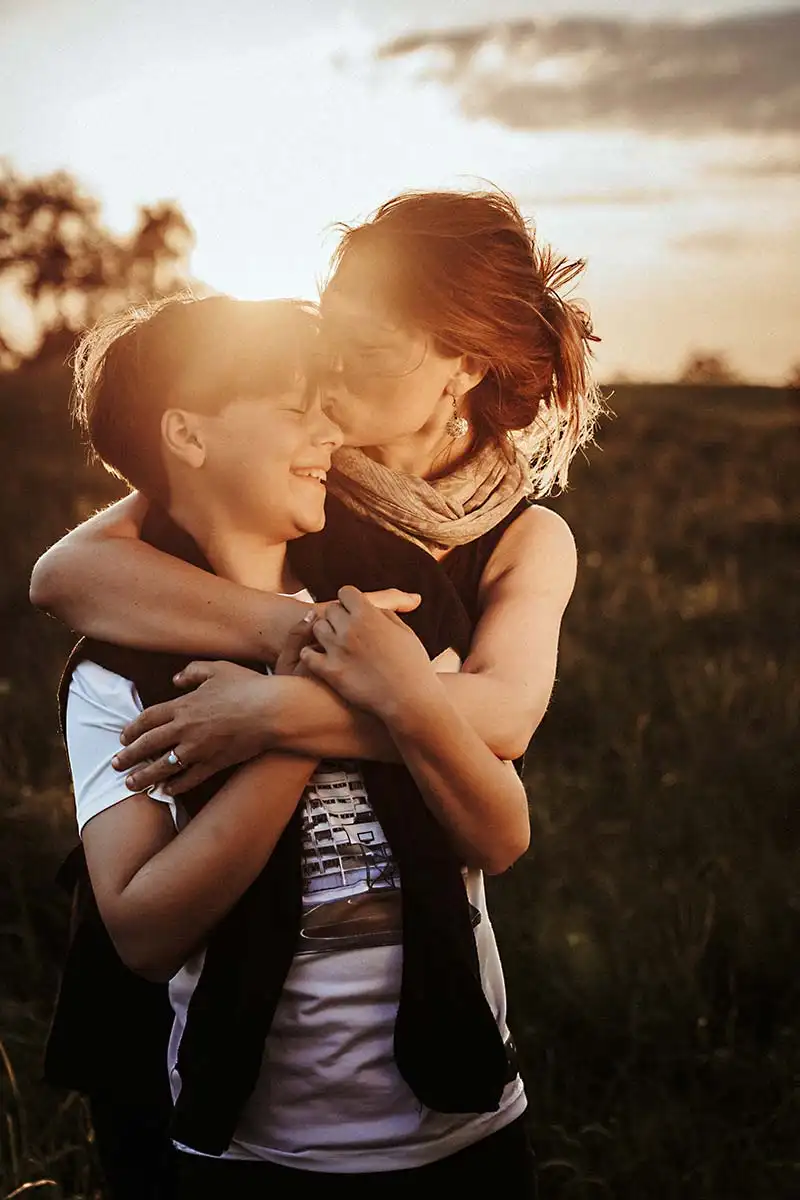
(265, 148)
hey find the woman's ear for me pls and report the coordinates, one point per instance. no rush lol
(182, 436)
(469, 374)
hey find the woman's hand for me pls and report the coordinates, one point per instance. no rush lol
(222, 721)
(369, 657)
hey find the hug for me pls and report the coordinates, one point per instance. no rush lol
(318, 637)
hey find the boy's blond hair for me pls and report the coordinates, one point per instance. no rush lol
(196, 354)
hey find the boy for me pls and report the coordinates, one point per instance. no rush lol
(210, 408)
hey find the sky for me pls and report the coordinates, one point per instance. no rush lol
(659, 140)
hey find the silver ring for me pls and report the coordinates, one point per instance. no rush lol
(174, 760)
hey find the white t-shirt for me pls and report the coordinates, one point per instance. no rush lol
(329, 1096)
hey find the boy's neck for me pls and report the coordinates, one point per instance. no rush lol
(244, 556)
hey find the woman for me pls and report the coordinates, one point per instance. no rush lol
(446, 334)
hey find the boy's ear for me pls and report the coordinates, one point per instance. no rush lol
(182, 436)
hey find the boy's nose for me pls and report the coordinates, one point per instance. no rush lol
(327, 432)
(333, 435)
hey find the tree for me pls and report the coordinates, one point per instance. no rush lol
(708, 369)
(66, 269)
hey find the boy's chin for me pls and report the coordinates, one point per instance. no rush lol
(310, 523)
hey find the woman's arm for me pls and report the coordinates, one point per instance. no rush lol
(502, 691)
(160, 894)
(505, 684)
(378, 663)
(102, 581)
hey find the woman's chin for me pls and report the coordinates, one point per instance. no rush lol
(350, 440)
(353, 440)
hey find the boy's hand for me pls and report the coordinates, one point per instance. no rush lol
(302, 634)
(369, 657)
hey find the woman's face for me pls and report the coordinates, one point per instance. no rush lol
(386, 381)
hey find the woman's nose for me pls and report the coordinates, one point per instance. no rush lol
(334, 367)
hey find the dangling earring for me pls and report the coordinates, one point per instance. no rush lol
(456, 426)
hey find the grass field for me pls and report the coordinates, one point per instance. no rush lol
(650, 937)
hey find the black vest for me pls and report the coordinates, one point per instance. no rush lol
(447, 1045)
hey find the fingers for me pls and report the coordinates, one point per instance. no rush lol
(194, 674)
(324, 632)
(394, 599)
(151, 718)
(351, 599)
(186, 780)
(150, 774)
(149, 746)
(316, 662)
(298, 636)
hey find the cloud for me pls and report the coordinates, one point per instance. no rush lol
(785, 166)
(636, 196)
(730, 241)
(730, 75)
(713, 241)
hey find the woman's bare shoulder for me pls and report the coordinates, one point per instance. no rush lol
(539, 538)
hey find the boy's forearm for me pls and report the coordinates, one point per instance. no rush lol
(173, 902)
(310, 719)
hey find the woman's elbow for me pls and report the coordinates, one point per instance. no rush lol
(498, 864)
(514, 729)
(508, 850)
(44, 590)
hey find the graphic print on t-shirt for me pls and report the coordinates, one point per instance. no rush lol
(351, 885)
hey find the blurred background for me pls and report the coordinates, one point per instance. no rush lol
(650, 936)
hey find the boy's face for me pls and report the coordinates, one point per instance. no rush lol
(266, 460)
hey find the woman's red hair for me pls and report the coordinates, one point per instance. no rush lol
(469, 270)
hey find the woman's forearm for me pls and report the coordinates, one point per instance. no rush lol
(174, 900)
(476, 796)
(102, 581)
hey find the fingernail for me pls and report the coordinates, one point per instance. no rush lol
(123, 738)
(177, 678)
(129, 782)
(115, 762)
(309, 617)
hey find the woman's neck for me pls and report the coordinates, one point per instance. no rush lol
(429, 453)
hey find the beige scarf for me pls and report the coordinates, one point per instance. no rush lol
(439, 513)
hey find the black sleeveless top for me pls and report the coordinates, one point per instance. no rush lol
(464, 565)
